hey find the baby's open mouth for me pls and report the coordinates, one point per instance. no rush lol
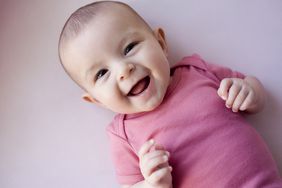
(139, 87)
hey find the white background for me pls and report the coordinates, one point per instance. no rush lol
(49, 137)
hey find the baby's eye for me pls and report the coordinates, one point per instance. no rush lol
(100, 73)
(129, 47)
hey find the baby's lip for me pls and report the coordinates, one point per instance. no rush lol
(139, 86)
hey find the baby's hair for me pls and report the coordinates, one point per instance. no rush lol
(81, 18)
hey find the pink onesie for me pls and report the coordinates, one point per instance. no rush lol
(210, 146)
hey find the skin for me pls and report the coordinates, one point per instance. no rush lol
(113, 53)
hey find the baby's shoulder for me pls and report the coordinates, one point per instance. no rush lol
(194, 60)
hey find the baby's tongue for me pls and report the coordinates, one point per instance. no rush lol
(138, 88)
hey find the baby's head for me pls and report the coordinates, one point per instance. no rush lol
(112, 53)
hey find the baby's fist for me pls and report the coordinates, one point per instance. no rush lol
(237, 93)
(153, 162)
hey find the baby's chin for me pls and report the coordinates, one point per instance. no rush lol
(135, 110)
(150, 106)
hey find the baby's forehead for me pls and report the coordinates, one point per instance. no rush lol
(111, 24)
(81, 19)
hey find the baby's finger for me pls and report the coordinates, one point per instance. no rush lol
(145, 148)
(155, 163)
(225, 84)
(232, 94)
(239, 99)
(154, 154)
(159, 174)
(247, 102)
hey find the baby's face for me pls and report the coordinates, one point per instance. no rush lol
(120, 62)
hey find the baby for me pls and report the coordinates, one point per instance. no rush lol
(177, 125)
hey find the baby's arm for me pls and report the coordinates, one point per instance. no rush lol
(153, 162)
(242, 94)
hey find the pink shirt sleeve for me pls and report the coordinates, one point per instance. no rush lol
(222, 72)
(218, 72)
(125, 160)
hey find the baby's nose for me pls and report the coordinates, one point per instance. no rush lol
(126, 70)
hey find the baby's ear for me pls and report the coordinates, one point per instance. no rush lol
(160, 35)
(87, 97)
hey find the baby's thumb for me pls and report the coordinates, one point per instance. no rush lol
(222, 91)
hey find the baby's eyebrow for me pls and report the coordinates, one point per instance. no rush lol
(129, 35)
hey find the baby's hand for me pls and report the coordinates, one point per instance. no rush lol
(153, 162)
(238, 94)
